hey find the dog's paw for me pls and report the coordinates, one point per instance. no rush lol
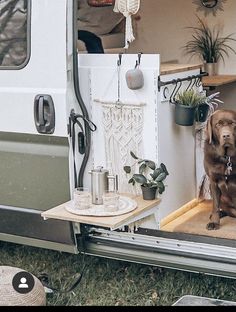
(213, 226)
(222, 214)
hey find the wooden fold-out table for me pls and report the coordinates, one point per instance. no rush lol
(213, 82)
(144, 209)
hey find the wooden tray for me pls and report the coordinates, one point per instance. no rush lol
(126, 205)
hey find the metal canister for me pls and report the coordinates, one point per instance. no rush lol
(99, 184)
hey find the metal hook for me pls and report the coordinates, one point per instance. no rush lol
(176, 84)
(189, 78)
(199, 82)
(194, 82)
(119, 60)
(139, 59)
(180, 85)
(176, 89)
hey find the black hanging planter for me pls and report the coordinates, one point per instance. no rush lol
(149, 193)
(202, 112)
(184, 115)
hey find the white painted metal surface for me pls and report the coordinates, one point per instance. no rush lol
(120, 130)
(162, 140)
(177, 151)
(45, 73)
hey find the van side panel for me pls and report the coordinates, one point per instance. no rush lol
(34, 177)
(34, 171)
(31, 225)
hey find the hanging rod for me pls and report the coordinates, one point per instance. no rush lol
(175, 81)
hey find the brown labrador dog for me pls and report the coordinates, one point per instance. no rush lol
(220, 164)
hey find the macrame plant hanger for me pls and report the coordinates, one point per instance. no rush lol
(127, 8)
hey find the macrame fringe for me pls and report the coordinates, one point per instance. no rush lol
(129, 33)
(127, 8)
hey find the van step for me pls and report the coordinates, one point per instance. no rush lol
(202, 301)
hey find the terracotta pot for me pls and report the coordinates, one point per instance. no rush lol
(211, 68)
(149, 193)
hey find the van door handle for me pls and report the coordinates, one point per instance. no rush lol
(41, 119)
(44, 114)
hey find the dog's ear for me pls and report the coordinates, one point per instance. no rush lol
(209, 134)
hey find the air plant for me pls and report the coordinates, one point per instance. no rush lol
(190, 98)
(213, 99)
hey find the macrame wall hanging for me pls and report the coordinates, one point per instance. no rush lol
(127, 8)
(123, 129)
(123, 124)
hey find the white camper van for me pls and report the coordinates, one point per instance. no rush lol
(64, 113)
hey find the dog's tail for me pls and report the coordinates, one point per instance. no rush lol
(204, 189)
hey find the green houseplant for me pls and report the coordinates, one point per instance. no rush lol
(150, 176)
(209, 45)
(192, 105)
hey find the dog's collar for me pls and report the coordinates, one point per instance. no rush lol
(229, 167)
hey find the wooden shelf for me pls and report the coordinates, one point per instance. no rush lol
(169, 68)
(219, 80)
(144, 209)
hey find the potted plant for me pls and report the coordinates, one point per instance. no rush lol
(150, 176)
(209, 45)
(186, 103)
(210, 102)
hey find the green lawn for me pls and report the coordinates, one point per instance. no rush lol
(113, 283)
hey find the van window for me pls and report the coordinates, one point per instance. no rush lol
(13, 33)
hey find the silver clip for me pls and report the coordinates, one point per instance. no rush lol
(229, 167)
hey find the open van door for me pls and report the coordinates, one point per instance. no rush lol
(34, 149)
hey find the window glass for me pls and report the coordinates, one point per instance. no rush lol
(13, 32)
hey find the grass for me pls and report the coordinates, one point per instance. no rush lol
(113, 283)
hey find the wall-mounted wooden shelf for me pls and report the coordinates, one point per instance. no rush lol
(218, 80)
(173, 68)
